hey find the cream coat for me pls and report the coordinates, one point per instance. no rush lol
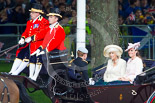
(112, 73)
(134, 68)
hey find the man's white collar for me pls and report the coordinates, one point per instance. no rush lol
(52, 26)
(36, 18)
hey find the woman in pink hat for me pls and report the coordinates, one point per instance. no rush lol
(134, 64)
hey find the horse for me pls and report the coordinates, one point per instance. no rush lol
(13, 91)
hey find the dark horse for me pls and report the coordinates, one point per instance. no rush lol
(12, 91)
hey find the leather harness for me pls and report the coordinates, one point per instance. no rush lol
(3, 92)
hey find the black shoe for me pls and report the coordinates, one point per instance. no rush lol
(5, 73)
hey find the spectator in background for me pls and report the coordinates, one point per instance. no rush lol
(120, 20)
(152, 4)
(68, 10)
(46, 4)
(62, 8)
(62, 1)
(144, 5)
(88, 30)
(152, 8)
(9, 3)
(149, 19)
(3, 16)
(134, 5)
(3, 20)
(120, 10)
(18, 13)
(139, 17)
(69, 2)
(73, 20)
(74, 4)
(56, 3)
(2, 5)
(19, 2)
(65, 20)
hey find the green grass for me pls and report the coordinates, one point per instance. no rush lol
(38, 96)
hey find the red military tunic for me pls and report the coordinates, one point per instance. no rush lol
(38, 30)
(55, 39)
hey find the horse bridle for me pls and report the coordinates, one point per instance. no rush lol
(8, 94)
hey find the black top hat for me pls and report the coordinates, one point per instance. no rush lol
(54, 12)
(37, 8)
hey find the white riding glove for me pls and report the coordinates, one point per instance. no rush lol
(21, 41)
(40, 53)
(91, 81)
(36, 52)
(28, 39)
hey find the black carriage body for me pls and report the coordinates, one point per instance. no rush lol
(121, 93)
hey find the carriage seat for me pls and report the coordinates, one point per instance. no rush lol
(58, 56)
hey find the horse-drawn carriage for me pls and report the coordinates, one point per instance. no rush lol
(55, 82)
(60, 88)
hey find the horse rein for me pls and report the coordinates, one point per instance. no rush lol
(8, 94)
(8, 49)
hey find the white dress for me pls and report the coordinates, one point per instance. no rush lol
(134, 68)
(112, 73)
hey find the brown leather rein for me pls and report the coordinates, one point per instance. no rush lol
(8, 49)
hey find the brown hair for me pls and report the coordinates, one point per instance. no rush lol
(138, 55)
(79, 53)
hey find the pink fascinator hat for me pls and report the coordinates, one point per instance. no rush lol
(134, 46)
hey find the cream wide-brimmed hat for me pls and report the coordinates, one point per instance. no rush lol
(112, 48)
(134, 46)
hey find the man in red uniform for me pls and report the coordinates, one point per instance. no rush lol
(34, 35)
(54, 39)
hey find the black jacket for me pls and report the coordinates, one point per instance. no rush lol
(82, 67)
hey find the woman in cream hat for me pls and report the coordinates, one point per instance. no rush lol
(134, 64)
(116, 66)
